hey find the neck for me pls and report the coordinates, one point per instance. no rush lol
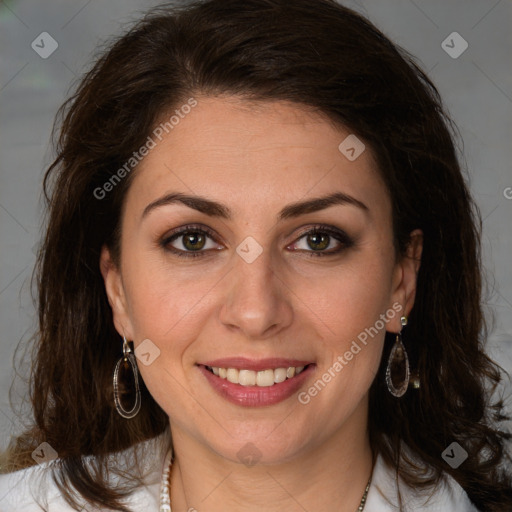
(328, 477)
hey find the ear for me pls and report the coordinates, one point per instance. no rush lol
(405, 279)
(116, 294)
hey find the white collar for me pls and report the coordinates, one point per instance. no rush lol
(383, 494)
(18, 488)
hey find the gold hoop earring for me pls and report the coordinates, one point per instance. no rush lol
(127, 361)
(398, 366)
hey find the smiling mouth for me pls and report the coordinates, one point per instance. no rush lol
(263, 378)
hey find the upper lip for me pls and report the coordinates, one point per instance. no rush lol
(243, 363)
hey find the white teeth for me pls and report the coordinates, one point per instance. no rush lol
(232, 375)
(263, 378)
(247, 378)
(279, 375)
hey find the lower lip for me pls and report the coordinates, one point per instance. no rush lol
(255, 396)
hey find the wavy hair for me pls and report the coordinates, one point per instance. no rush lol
(314, 53)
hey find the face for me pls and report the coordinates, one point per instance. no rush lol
(251, 271)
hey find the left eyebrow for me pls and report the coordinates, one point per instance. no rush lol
(320, 203)
(215, 209)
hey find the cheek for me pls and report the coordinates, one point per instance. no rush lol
(354, 310)
(352, 298)
(351, 316)
(165, 304)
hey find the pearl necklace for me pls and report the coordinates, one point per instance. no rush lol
(165, 492)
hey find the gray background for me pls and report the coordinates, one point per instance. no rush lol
(476, 87)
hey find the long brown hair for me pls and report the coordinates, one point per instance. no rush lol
(315, 53)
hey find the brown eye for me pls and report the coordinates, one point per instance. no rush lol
(318, 241)
(193, 241)
(190, 241)
(323, 241)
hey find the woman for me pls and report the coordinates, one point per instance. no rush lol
(260, 282)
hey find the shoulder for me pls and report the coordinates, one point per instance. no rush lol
(33, 489)
(383, 494)
(29, 490)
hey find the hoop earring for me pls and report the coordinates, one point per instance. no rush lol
(127, 360)
(398, 364)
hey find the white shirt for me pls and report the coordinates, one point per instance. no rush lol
(17, 492)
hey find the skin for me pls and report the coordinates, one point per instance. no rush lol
(256, 158)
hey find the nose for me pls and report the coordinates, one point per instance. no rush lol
(257, 300)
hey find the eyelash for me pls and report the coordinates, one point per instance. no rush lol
(335, 233)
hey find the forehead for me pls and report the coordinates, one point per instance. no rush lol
(251, 154)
